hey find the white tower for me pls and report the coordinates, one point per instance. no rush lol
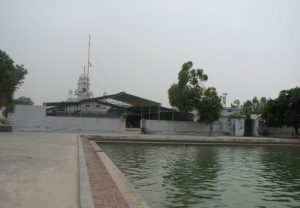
(224, 98)
(83, 87)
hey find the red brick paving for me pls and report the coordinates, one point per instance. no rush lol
(104, 191)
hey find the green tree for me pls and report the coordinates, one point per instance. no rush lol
(23, 101)
(20, 101)
(11, 77)
(284, 110)
(236, 103)
(254, 106)
(190, 94)
(247, 108)
(189, 88)
(210, 107)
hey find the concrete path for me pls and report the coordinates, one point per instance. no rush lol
(38, 170)
(41, 169)
(104, 191)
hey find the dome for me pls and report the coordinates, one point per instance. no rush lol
(83, 77)
(83, 84)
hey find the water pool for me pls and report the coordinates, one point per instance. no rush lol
(171, 176)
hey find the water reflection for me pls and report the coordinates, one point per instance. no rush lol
(282, 172)
(190, 177)
(173, 176)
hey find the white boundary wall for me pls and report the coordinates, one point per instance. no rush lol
(33, 118)
(237, 127)
(284, 132)
(185, 127)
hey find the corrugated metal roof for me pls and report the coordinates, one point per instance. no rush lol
(125, 98)
(121, 99)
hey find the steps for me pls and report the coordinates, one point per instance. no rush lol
(133, 131)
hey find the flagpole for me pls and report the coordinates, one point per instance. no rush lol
(88, 68)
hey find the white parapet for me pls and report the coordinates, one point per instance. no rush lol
(184, 127)
(33, 118)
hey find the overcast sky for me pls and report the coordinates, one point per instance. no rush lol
(247, 48)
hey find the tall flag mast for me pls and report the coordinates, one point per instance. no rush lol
(88, 69)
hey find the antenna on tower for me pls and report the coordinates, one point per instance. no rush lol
(224, 98)
(70, 94)
(88, 68)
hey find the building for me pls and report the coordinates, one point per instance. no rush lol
(129, 107)
(112, 113)
(117, 113)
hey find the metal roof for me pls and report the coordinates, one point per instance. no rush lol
(132, 104)
(126, 100)
(121, 99)
(61, 103)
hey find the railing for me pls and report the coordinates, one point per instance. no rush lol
(85, 114)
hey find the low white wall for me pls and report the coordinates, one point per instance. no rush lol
(184, 127)
(286, 132)
(33, 118)
(237, 127)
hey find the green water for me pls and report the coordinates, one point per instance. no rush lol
(171, 176)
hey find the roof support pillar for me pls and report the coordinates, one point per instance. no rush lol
(158, 113)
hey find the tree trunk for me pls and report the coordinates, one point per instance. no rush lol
(210, 129)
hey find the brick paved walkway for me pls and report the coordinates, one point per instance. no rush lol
(104, 191)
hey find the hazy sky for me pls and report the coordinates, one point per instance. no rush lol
(248, 47)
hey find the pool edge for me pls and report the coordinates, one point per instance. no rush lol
(126, 189)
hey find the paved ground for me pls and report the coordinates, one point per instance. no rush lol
(38, 170)
(41, 169)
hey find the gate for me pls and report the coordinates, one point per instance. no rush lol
(249, 127)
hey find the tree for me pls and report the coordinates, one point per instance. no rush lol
(189, 88)
(284, 110)
(254, 106)
(210, 107)
(236, 103)
(247, 108)
(23, 101)
(20, 101)
(190, 94)
(11, 77)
